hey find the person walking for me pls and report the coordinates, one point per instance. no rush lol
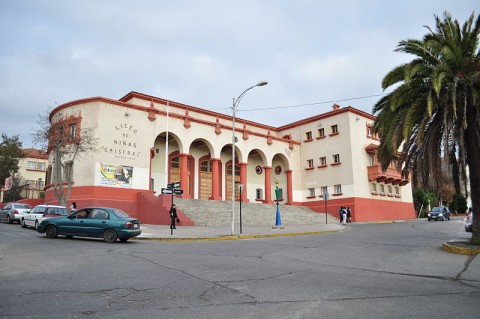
(173, 216)
(344, 215)
(349, 215)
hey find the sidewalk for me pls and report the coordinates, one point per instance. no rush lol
(195, 233)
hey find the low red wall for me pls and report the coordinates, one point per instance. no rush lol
(364, 209)
(144, 205)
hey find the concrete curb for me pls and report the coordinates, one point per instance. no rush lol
(459, 248)
(234, 237)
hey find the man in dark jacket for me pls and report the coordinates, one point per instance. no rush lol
(173, 216)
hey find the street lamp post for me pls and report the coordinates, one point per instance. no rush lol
(236, 102)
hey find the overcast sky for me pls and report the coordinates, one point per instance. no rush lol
(205, 53)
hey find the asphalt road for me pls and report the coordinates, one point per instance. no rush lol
(366, 271)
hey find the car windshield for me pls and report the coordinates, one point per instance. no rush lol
(23, 206)
(120, 213)
(437, 209)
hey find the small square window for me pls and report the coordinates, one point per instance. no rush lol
(324, 190)
(309, 135)
(323, 161)
(334, 129)
(311, 192)
(336, 158)
(310, 163)
(321, 132)
(337, 189)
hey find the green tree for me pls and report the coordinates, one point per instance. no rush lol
(459, 203)
(433, 112)
(10, 153)
(422, 199)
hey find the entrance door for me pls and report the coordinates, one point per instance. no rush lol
(229, 183)
(205, 179)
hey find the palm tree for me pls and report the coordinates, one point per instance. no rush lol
(433, 113)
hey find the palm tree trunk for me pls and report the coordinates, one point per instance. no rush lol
(472, 136)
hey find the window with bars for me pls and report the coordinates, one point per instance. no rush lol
(259, 194)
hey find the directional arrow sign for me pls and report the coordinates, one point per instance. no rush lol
(178, 191)
(167, 191)
(173, 185)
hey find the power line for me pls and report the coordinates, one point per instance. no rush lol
(310, 104)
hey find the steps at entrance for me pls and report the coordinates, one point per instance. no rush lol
(219, 213)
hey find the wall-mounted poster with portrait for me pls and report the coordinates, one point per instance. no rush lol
(116, 175)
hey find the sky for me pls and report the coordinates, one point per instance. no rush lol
(206, 53)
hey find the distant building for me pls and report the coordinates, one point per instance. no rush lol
(145, 142)
(32, 171)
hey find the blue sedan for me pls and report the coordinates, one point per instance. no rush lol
(100, 222)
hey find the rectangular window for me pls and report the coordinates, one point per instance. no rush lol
(309, 135)
(337, 189)
(30, 184)
(371, 159)
(311, 192)
(31, 165)
(382, 189)
(321, 132)
(389, 190)
(334, 129)
(41, 166)
(374, 188)
(397, 191)
(310, 163)
(336, 158)
(259, 194)
(40, 184)
(323, 161)
(73, 132)
(324, 190)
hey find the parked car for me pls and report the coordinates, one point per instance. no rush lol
(469, 222)
(35, 216)
(438, 213)
(12, 212)
(101, 222)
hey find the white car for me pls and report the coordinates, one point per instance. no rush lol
(41, 212)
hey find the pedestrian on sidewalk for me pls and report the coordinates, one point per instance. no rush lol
(173, 216)
(349, 215)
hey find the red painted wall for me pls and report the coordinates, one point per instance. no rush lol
(143, 205)
(364, 209)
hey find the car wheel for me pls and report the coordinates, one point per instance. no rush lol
(36, 224)
(22, 223)
(9, 219)
(110, 236)
(124, 239)
(51, 231)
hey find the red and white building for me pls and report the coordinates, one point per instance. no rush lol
(145, 142)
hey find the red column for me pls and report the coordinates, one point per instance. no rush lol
(243, 180)
(268, 185)
(215, 179)
(184, 175)
(289, 188)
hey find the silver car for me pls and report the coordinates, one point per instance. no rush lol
(13, 212)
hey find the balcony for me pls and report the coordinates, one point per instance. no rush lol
(390, 176)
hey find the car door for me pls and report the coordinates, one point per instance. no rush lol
(4, 211)
(97, 222)
(76, 224)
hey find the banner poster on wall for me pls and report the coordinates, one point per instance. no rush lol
(116, 175)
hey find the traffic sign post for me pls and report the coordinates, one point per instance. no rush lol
(325, 198)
